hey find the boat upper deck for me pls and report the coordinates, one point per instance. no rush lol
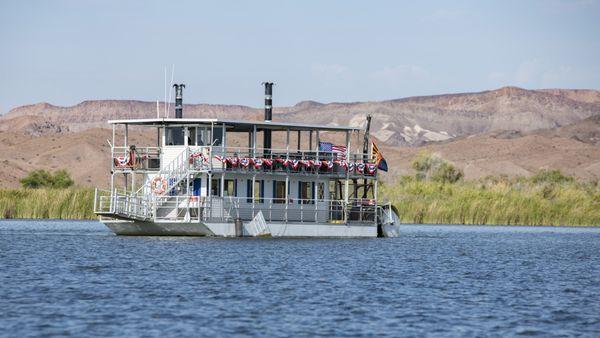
(233, 125)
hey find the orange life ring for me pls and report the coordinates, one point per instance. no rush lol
(158, 185)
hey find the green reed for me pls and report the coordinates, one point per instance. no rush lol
(517, 201)
(47, 203)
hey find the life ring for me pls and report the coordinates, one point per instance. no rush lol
(158, 185)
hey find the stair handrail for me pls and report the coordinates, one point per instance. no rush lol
(179, 165)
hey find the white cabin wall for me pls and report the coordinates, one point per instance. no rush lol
(168, 154)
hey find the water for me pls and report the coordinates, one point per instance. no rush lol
(77, 278)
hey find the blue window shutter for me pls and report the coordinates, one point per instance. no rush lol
(197, 186)
(235, 187)
(249, 191)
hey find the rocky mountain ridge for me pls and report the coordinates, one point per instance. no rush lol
(407, 121)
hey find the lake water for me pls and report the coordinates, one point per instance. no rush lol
(62, 278)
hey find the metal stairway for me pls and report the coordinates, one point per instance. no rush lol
(142, 204)
(173, 173)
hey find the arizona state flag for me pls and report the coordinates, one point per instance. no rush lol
(378, 159)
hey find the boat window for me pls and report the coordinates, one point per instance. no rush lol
(174, 136)
(201, 136)
(255, 194)
(191, 136)
(306, 192)
(321, 191)
(217, 138)
(279, 192)
(231, 188)
(215, 187)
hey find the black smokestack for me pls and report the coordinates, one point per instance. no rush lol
(268, 113)
(268, 100)
(179, 100)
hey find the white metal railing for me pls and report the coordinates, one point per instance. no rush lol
(385, 213)
(213, 158)
(279, 160)
(122, 204)
(124, 158)
(184, 208)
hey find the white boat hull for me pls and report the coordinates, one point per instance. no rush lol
(139, 228)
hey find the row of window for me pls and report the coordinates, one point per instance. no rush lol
(197, 136)
(307, 191)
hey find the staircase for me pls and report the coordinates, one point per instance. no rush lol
(173, 173)
(142, 204)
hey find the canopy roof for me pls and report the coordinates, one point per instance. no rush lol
(233, 125)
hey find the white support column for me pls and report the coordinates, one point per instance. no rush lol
(287, 196)
(254, 141)
(287, 143)
(209, 186)
(158, 137)
(211, 148)
(253, 193)
(209, 202)
(126, 136)
(222, 185)
(112, 154)
(250, 145)
(317, 145)
(223, 149)
(132, 182)
(112, 182)
(347, 184)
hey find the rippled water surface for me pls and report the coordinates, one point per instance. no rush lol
(77, 278)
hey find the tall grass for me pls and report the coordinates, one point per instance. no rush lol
(516, 201)
(493, 200)
(47, 203)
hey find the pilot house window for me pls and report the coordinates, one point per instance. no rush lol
(174, 136)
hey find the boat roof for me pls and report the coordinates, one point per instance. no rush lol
(236, 125)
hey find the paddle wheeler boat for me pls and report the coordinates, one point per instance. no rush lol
(214, 177)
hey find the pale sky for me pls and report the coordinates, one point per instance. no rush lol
(64, 52)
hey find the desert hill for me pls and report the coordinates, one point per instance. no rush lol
(408, 121)
(505, 131)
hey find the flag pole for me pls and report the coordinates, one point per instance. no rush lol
(366, 152)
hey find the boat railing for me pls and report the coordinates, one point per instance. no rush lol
(131, 158)
(385, 213)
(279, 160)
(184, 208)
(228, 209)
(122, 204)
